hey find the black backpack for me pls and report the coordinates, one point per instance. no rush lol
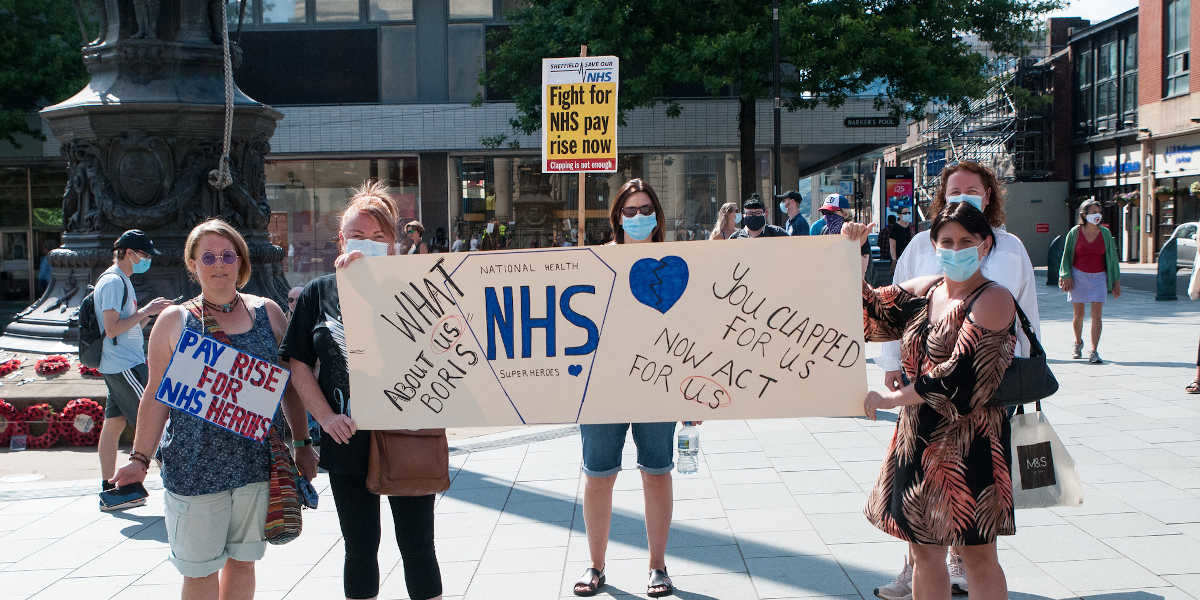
(91, 341)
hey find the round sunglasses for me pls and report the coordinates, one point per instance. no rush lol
(209, 259)
(630, 211)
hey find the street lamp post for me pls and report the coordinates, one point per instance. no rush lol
(775, 159)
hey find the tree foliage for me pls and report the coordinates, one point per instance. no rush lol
(40, 62)
(834, 49)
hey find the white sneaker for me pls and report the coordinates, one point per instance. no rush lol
(901, 588)
(958, 574)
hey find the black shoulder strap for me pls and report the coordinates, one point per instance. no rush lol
(1035, 346)
(977, 293)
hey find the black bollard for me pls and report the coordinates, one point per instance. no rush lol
(1054, 260)
(1168, 258)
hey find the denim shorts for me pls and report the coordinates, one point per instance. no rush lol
(203, 531)
(602, 446)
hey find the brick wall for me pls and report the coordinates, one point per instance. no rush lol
(1150, 51)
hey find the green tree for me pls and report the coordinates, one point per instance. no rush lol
(833, 49)
(40, 62)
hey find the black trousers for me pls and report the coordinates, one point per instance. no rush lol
(358, 514)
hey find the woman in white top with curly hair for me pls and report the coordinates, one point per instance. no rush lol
(1008, 264)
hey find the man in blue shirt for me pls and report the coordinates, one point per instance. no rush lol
(123, 354)
(789, 203)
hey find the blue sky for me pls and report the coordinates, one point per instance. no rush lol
(1095, 10)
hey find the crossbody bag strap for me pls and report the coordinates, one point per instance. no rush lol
(124, 298)
(1035, 345)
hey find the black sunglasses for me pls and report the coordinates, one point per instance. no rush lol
(630, 211)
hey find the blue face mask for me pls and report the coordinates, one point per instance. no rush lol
(367, 247)
(976, 201)
(959, 265)
(783, 207)
(737, 218)
(639, 226)
(141, 266)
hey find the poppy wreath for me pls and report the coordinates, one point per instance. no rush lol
(10, 422)
(87, 371)
(37, 416)
(52, 365)
(9, 366)
(79, 423)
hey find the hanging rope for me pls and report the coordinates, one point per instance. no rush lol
(221, 177)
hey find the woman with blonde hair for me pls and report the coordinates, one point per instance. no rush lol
(215, 509)
(315, 348)
(726, 224)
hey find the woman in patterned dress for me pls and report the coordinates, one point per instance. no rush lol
(945, 481)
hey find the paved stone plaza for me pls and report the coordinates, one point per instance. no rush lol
(775, 511)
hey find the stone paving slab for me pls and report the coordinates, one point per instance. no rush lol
(774, 511)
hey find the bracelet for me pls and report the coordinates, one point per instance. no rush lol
(302, 443)
(138, 457)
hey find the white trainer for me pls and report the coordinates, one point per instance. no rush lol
(901, 588)
(958, 574)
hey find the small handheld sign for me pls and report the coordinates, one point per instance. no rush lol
(579, 114)
(229, 388)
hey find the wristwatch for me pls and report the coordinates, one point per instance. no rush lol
(302, 443)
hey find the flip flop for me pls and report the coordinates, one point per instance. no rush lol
(1193, 387)
(590, 583)
(660, 584)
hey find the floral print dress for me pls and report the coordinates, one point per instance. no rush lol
(945, 480)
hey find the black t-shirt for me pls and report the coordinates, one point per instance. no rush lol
(902, 236)
(316, 338)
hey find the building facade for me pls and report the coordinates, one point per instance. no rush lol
(1017, 130)
(1168, 119)
(1107, 156)
(32, 179)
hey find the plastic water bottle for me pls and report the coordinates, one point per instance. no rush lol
(688, 443)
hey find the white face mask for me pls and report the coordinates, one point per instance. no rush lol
(1094, 218)
(367, 247)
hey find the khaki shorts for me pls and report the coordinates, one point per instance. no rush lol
(205, 530)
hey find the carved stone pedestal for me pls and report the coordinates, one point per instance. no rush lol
(140, 141)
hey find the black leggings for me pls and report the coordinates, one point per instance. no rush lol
(358, 514)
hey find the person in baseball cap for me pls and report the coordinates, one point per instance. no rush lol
(789, 204)
(834, 208)
(136, 239)
(122, 357)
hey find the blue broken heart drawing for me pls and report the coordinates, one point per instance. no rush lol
(659, 284)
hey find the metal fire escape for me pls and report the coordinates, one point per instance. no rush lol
(993, 130)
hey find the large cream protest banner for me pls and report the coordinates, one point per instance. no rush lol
(579, 114)
(619, 333)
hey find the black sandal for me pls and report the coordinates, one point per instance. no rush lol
(590, 583)
(660, 584)
(1193, 387)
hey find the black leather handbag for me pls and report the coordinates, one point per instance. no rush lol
(1027, 379)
